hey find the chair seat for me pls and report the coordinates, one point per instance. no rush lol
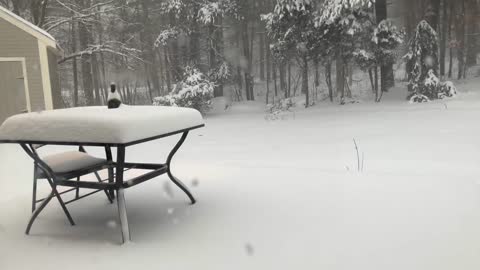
(71, 161)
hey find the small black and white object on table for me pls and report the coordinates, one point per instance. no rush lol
(114, 100)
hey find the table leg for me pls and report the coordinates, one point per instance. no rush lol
(122, 208)
(108, 153)
(122, 213)
(169, 172)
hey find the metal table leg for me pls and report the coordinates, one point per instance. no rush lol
(122, 208)
(122, 213)
(169, 172)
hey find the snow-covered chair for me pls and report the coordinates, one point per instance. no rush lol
(67, 165)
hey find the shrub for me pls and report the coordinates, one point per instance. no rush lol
(432, 88)
(431, 85)
(280, 109)
(422, 67)
(418, 98)
(447, 89)
(194, 91)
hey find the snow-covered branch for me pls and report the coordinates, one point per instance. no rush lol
(115, 48)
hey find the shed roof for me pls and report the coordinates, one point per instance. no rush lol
(28, 27)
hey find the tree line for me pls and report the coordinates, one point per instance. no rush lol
(145, 45)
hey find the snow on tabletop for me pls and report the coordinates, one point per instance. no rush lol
(99, 124)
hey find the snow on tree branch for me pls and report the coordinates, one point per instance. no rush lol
(333, 10)
(113, 47)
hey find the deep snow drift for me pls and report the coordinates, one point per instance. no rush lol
(280, 194)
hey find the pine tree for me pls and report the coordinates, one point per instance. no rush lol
(292, 28)
(423, 66)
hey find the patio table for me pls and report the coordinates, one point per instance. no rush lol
(106, 128)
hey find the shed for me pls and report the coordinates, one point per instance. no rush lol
(28, 67)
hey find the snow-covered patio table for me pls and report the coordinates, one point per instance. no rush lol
(107, 128)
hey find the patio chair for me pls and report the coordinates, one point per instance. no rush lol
(67, 165)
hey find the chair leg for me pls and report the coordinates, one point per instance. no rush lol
(122, 213)
(34, 193)
(62, 204)
(38, 210)
(106, 191)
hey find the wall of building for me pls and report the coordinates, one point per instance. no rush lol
(55, 80)
(14, 42)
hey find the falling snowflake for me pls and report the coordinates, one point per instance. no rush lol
(195, 182)
(249, 249)
(429, 61)
(112, 224)
(168, 190)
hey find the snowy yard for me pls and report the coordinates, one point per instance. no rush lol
(280, 194)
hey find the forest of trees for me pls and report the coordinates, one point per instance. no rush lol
(245, 45)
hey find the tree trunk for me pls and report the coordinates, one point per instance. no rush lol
(289, 78)
(174, 58)
(283, 74)
(85, 40)
(451, 19)
(74, 64)
(195, 46)
(167, 69)
(460, 30)
(377, 90)
(262, 56)
(433, 13)
(221, 50)
(268, 57)
(305, 81)
(340, 67)
(328, 79)
(212, 60)
(443, 37)
(149, 53)
(386, 71)
(472, 33)
(216, 47)
(274, 74)
(96, 79)
(247, 56)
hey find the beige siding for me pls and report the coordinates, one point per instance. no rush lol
(54, 80)
(15, 42)
(12, 89)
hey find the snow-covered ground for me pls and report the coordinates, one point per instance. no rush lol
(282, 194)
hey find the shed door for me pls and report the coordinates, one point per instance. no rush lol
(12, 89)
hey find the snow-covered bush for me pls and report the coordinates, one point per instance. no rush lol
(432, 88)
(194, 91)
(422, 67)
(418, 98)
(280, 109)
(447, 89)
(378, 48)
(431, 85)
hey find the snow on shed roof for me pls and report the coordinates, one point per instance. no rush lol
(28, 27)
